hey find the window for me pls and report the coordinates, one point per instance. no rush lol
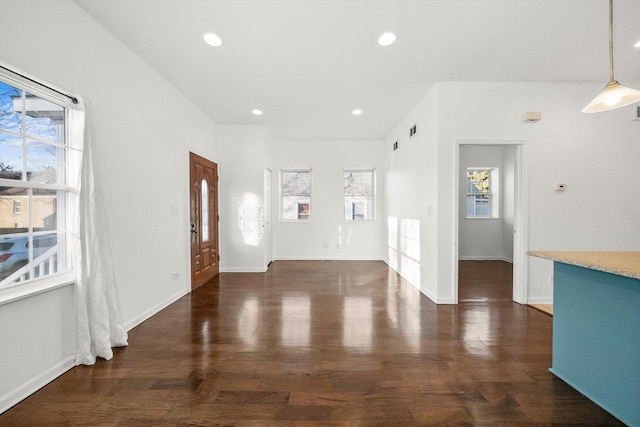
(34, 171)
(482, 193)
(295, 194)
(359, 189)
(204, 210)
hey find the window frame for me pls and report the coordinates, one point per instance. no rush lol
(64, 274)
(369, 200)
(308, 197)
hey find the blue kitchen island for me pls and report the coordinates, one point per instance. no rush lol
(596, 327)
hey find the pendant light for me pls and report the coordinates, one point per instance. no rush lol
(614, 95)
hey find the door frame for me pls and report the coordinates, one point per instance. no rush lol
(189, 271)
(269, 230)
(521, 209)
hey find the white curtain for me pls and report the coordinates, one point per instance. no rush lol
(98, 315)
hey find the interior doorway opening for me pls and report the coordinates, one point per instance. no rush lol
(491, 227)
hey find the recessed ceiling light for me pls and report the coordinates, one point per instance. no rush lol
(256, 112)
(212, 40)
(386, 39)
(638, 45)
(356, 112)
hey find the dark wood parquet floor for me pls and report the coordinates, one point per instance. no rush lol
(325, 343)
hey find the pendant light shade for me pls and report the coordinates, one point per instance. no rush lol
(614, 95)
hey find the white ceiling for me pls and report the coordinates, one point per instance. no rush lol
(308, 63)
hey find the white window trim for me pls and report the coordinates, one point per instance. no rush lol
(22, 290)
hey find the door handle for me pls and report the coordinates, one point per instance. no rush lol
(193, 228)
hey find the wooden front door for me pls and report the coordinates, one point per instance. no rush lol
(205, 258)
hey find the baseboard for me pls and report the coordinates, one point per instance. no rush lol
(485, 258)
(331, 258)
(243, 269)
(540, 300)
(129, 325)
(426, 293)
(20, 393)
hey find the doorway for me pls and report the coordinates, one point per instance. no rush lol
(203, 190)
(510, 235)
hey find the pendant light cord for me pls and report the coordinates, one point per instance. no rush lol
(611, 78)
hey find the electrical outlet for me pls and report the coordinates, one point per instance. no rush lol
(395, 146)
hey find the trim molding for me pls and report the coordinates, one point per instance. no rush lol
(243, 269)
(29, 387)
(539, 300)
(129, 325)
(333, 258)
(485, 258)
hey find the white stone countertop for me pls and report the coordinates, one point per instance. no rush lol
(621, 263)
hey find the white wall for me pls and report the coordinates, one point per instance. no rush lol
(245, 152)
(487, 238)
(411, 194)
(327, 235)
(143, 129)
(595, 155)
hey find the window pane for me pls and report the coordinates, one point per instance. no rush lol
(358, 183)
(358, 208)
(10, 120)
(45, 209)
(296, 207)
(478, 181)
(296, 182)
(45, 255)
(10, 130)
(43, 161)
(14, 210)
(44, 120)
(478, 205)
(14, 254)
(205, 210)
(12, 155)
